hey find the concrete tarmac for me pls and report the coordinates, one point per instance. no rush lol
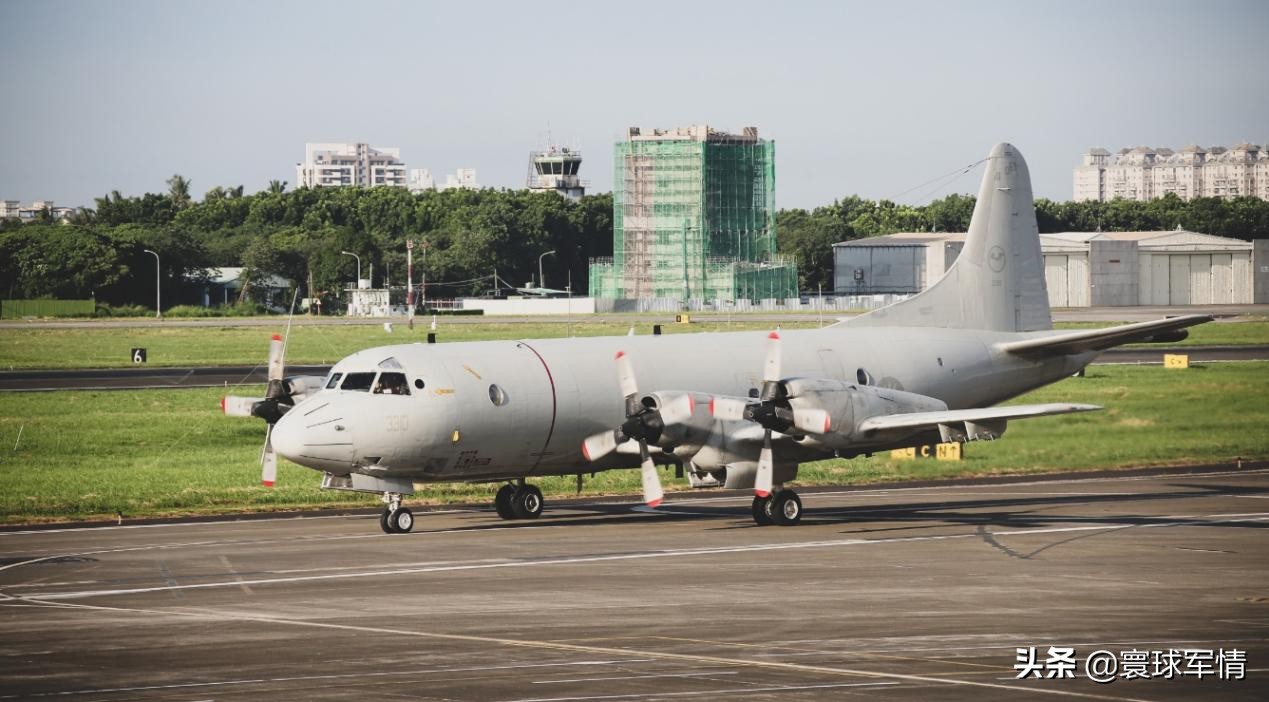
(896, 593)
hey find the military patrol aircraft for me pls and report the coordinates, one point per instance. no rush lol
(735, 409)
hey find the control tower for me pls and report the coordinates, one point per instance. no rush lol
(556, 169)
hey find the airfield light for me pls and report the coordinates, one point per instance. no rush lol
(158, 309)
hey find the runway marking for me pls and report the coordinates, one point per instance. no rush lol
(767, 646)
(607, 651)
(697, 693)
(331, 676)
(565, 681)
(225, 561)
(639, 555)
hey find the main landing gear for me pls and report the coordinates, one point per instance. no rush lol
(783, 507)
(519, 501)
(395, 519)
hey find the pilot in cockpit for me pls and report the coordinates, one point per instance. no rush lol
(391, 384)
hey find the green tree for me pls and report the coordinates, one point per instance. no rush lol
(178, 190)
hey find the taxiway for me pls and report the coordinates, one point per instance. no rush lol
(895, 593)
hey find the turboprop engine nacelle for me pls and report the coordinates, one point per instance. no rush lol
(849, 404)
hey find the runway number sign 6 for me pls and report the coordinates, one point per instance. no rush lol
(138, 355)
(942, 452)
(1176, 360)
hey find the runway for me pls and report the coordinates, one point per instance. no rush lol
(896, 593)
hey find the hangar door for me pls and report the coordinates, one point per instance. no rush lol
(1190, 279)
(1066, 277)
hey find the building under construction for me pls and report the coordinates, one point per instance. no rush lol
(694, 218)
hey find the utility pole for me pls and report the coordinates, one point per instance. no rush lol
(409, 280)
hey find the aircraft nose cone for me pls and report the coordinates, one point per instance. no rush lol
(288, 438)
(317, 435)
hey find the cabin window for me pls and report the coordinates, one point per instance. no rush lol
(392, 384)
(418, 383)
(358, 382)
(861, 376)
(498, 396)
(334, 380)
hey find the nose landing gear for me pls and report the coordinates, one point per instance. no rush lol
(395, 519)
(783, 508)
(519, 501)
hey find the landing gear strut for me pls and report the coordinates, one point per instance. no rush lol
(395, 519)
(783, 508)
(519, 501)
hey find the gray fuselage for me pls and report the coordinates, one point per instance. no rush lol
(497, 410)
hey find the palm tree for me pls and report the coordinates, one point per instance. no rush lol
(216, 193)
(178, 189)
(235, 191)
(276, 187)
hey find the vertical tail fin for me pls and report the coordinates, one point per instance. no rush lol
(997, 281)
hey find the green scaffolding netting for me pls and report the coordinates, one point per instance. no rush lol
(694, 219)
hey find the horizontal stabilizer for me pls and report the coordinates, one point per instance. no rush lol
(1081, 340)
(921, 421)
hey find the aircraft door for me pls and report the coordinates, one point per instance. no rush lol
(506, 410)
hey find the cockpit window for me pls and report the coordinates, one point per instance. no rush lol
(359, 382)
(392, 384)
(390, 363)
(334, 380)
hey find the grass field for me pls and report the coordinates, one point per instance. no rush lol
(327, 343)
(307, 344)
(165, 452)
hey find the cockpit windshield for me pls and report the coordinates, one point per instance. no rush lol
(385, 383)
(358, 382)
(392, 384)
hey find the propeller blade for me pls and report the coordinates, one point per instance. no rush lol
(599, 445)
(652, 492)
(275, 358)
(269, 461)
(771, 368)
(766, 468)
(811, 421)
(236, 406)
(625, 375)
(679, 409)
(728, 408)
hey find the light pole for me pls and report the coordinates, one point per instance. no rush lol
(541, 278)
(349, 253)
(158, 308)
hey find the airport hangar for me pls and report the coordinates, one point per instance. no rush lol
(1081, 269)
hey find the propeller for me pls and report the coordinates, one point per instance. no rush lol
(771, 391)
(772, 412)
(275, 403)
(644, 423)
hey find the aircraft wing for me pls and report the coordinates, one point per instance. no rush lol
(919, 421)
(1081, 340)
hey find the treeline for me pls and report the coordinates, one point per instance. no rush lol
(469, 234)
(299, 235)
(811, 234)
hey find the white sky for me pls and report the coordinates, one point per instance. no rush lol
(861, 98)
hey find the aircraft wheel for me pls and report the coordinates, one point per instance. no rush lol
(503, 500)
(401, 521)
(527, 502)
(385, 521)
(762, 511)
(786, 508)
